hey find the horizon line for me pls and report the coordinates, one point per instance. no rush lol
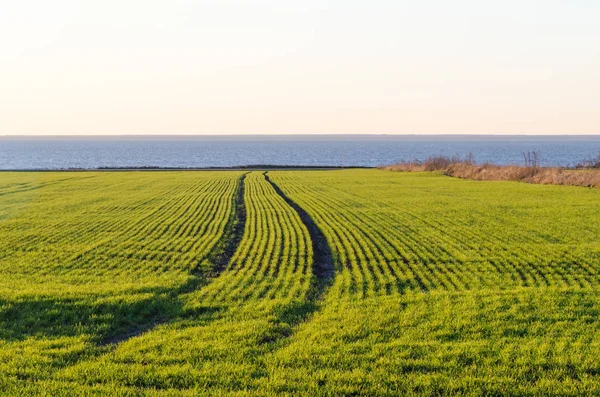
(294, 134)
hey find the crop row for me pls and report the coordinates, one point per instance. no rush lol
(388, 239)
(109, 227)
(241, 315)
(448, 287)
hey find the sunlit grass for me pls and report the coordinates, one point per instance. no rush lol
(442, 285)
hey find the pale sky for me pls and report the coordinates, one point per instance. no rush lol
(291, 66)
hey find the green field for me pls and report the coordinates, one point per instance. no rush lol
(345, 282)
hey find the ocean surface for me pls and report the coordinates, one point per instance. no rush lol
(324, 150)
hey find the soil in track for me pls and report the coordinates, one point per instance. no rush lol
(219, 257)
(223, 251)
(322, 268)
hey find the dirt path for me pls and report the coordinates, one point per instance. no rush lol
(219, 256)
(323, 267)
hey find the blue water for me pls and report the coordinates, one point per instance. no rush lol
(230, 151)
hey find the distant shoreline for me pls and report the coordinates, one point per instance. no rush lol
(307, 137)
(235, 168)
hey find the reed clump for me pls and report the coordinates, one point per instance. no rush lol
(433, 163)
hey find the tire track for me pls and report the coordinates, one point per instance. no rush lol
(323, 267)
(223, 251)
(219, 256)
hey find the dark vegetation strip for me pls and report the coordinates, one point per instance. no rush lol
(322, 268)
(219, 257)
(295, 313)
(223, 251)
(41, 185)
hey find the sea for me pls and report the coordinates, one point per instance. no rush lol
(94, 152)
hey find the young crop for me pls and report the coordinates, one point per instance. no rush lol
(447, 286)
(193, 283)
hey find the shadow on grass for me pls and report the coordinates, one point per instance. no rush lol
(112, 320)
(107, 320)
(286, 319)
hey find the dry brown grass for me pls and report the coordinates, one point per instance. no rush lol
(541, 175)
(467, 169)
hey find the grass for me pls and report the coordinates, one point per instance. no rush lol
(127, 284)
(448, 286)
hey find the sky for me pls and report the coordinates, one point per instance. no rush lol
(294, 67)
